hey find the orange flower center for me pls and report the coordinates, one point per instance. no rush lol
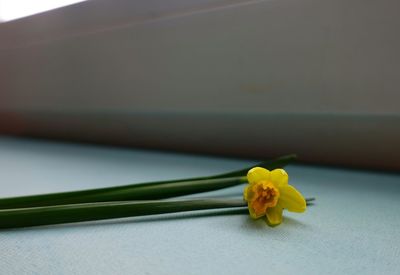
(266, 195)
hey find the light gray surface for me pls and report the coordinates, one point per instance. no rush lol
(352, 229)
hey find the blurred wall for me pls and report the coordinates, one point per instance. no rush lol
(248, 78)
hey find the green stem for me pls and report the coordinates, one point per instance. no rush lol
(142, 191)
(134, 192)
(48, 215)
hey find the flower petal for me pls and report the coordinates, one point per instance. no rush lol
(248, 192)
(279, 177)
(274, 215)
(291, 199)
(245, 193)
(257, 174)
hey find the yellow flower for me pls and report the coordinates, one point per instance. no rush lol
(268, 193)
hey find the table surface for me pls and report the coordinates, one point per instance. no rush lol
(353, 228)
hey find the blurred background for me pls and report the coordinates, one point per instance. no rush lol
(243, 78)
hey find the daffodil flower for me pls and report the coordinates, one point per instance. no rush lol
(268, 193)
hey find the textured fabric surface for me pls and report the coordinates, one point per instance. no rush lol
(352, 229)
